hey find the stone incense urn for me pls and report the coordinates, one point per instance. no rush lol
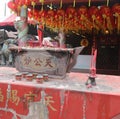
(55, 62)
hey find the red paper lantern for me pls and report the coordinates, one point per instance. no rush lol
(71, 12)
(108, 19)
(116, 8)
(30, 14)
(50, 13)
(16, 2)
(116, 12)
(84, 21)
(27, 2)
(59, 18)
(83, 11)
(42, 13)
(12, 5)
(93, 10)
(60, 12)
(36, 14)
(105, 10)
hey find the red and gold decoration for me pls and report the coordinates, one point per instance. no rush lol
(96, 18)
(116, 12)
(107, 18)
(72, 18)
(83, 17)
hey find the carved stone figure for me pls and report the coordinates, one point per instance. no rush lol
(22, 29)
(7, 55)
(3, 36)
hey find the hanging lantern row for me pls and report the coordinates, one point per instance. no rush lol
(72, 18)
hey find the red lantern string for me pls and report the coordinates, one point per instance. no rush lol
(33, 5)
(89, 3)
(116, 12)
(72, 18)
(50, 18)
(107, 2)
(60, 18)
(61, 4)
(96, 17)
(74, 3)
(83, 16)
(107, 16)
(26, 3)
(42, 18)
(19, 3)
(42, 2)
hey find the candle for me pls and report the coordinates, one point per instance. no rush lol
(18, 76)
(45, 77)
(39, 79)
(29, 77)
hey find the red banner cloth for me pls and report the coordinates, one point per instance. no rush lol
(20, 101)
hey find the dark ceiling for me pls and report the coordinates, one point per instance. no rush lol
(81, 1)
(78, 3)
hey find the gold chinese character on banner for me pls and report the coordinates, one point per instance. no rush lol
(14, 98)
(49, 101)
(30, 96)
(1, 96)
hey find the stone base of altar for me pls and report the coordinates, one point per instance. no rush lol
(59, 99)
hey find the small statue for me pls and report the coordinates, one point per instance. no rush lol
(7, 56)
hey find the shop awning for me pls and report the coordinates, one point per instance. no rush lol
(9, 21)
